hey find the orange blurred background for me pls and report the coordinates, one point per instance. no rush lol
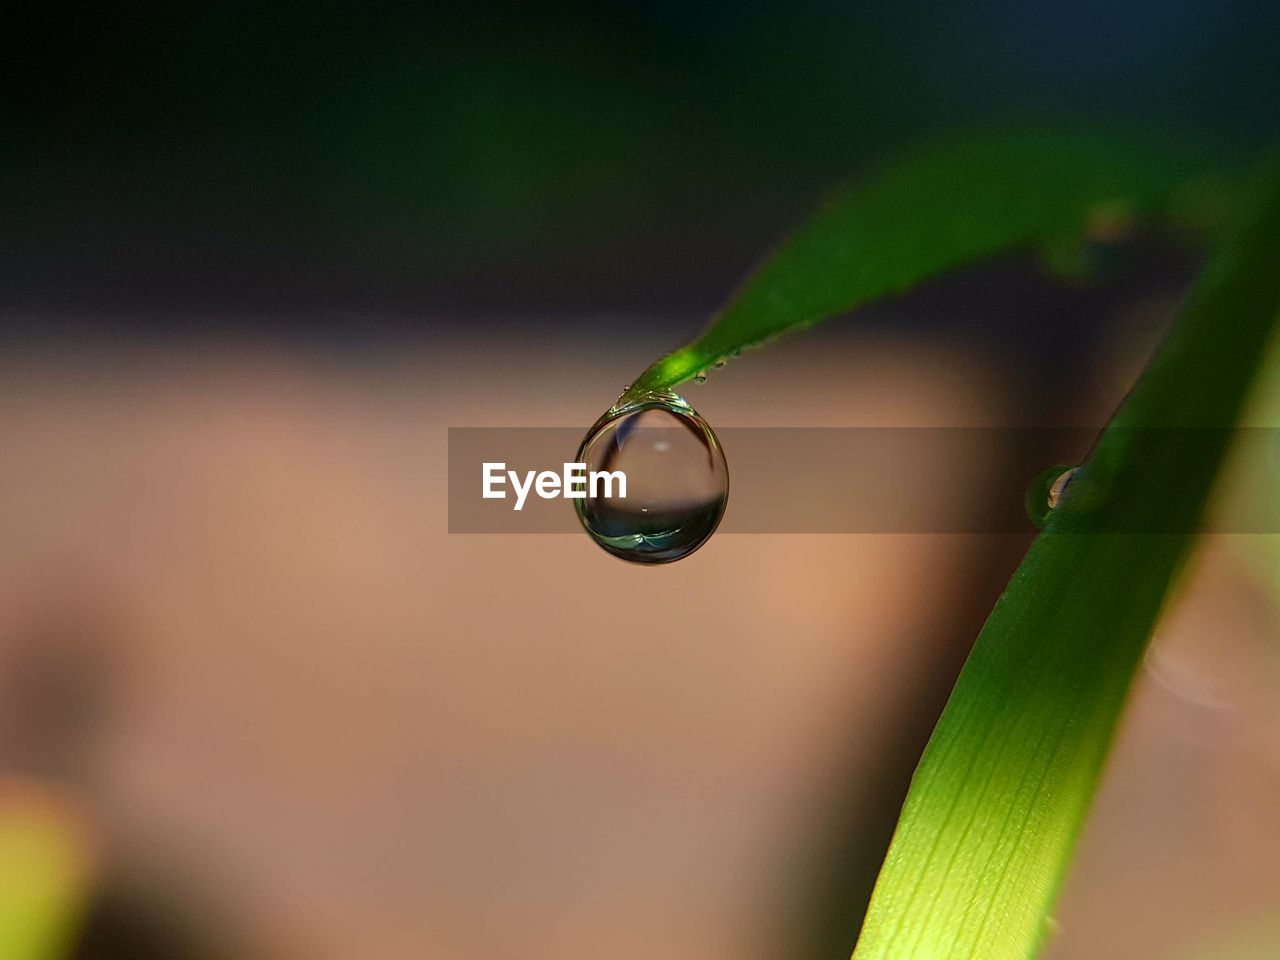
(300, 719)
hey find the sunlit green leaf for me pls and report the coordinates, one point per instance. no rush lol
(990, 822)
(940, 208)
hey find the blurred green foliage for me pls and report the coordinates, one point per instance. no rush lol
(940, 208)
(45, 870)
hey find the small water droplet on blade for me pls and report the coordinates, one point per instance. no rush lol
(1046, 490)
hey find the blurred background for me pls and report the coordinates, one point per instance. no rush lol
(256, 702)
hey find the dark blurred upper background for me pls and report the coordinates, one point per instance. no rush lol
(306, 160)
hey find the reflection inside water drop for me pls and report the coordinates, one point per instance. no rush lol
(677, 481)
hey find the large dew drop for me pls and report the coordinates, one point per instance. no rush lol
(677, 481)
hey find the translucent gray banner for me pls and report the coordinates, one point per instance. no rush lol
(874, 479)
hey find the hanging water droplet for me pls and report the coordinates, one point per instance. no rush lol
(1046, 490)
(700, 377)
(677, 481)
(719, 363)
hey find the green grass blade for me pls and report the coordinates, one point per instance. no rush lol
(954, 203)
(991, 819)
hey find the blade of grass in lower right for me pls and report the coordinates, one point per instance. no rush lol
(990, 822)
